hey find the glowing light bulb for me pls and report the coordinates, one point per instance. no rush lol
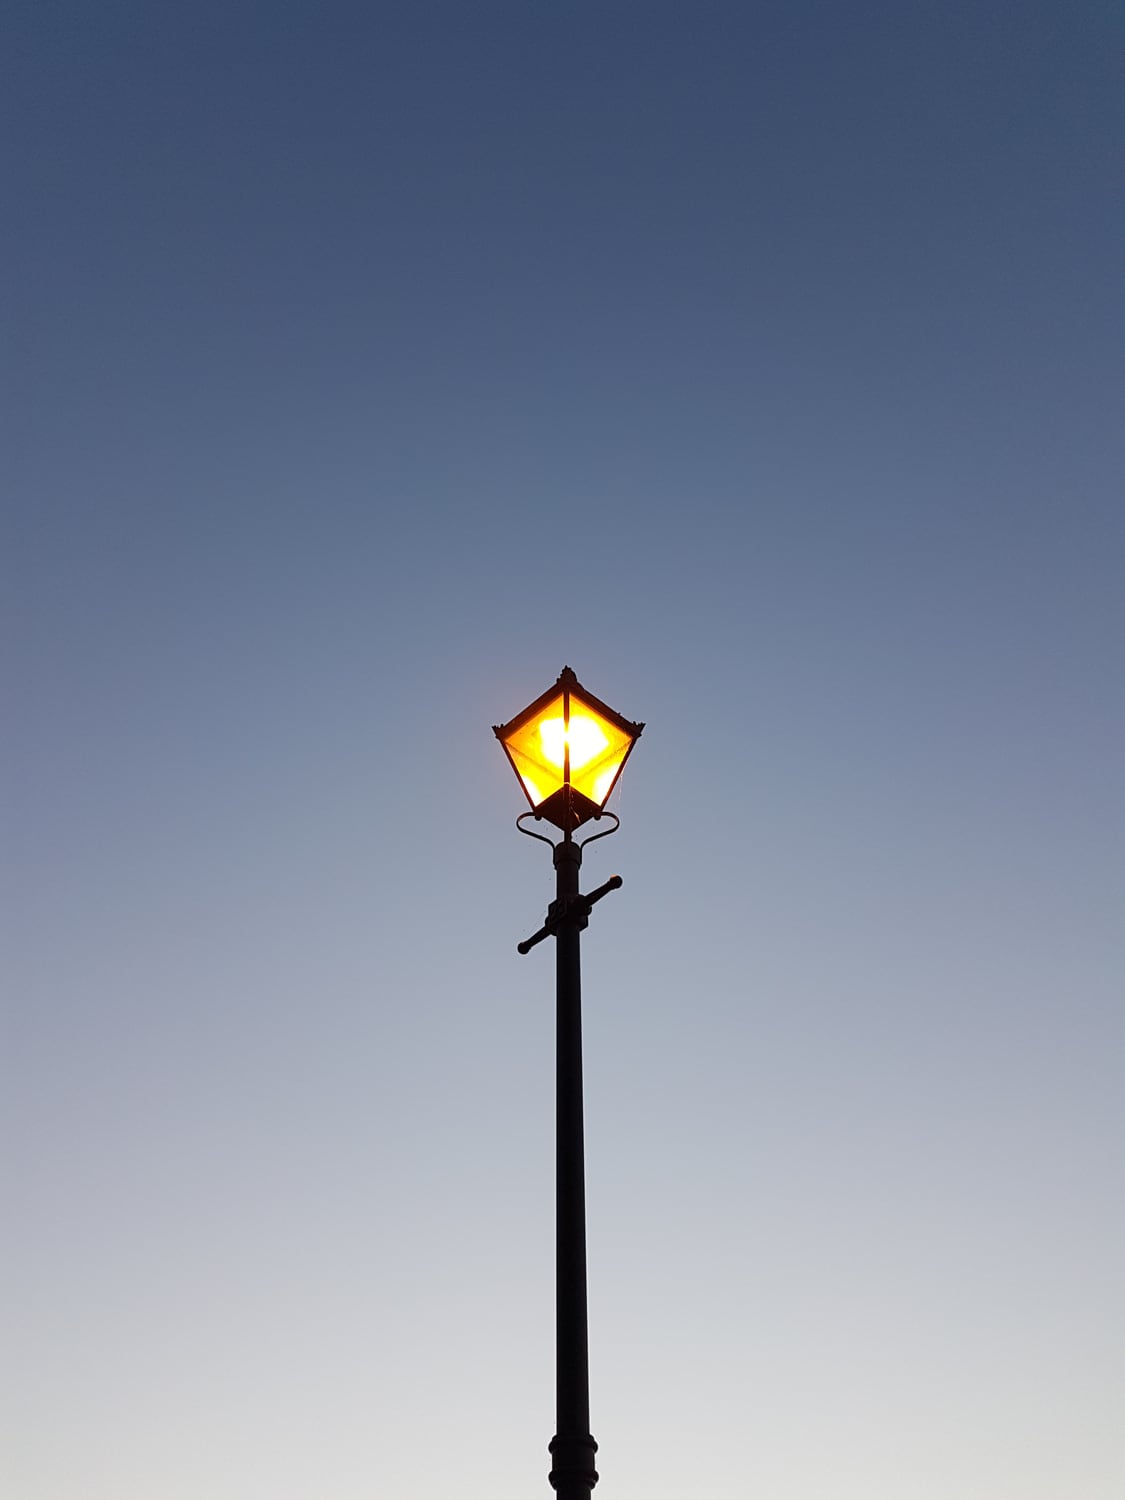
(585, 738)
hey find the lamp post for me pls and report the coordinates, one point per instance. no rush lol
(568, 750)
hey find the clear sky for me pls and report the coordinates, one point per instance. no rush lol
(361, 366)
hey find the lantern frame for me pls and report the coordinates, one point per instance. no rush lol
(566, 806)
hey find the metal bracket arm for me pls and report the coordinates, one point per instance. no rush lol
(569, 911)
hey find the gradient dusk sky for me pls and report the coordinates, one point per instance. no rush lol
(361, 367)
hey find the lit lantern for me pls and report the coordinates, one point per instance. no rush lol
(568, 749)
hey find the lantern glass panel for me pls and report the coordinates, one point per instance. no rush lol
(597, 750)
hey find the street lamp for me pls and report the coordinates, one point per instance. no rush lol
(568, 750)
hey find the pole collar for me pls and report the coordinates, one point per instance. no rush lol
(573, 1460)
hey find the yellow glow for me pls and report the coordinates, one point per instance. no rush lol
(535, 791)
(585, 737)
(603, 784)
(597, 749)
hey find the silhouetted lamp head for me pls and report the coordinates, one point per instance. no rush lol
(568, 748)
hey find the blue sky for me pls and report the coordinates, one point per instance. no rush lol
(361, 366)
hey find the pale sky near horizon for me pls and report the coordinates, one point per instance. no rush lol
(360, 367)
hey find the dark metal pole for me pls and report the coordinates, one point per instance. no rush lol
(572, 1449)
